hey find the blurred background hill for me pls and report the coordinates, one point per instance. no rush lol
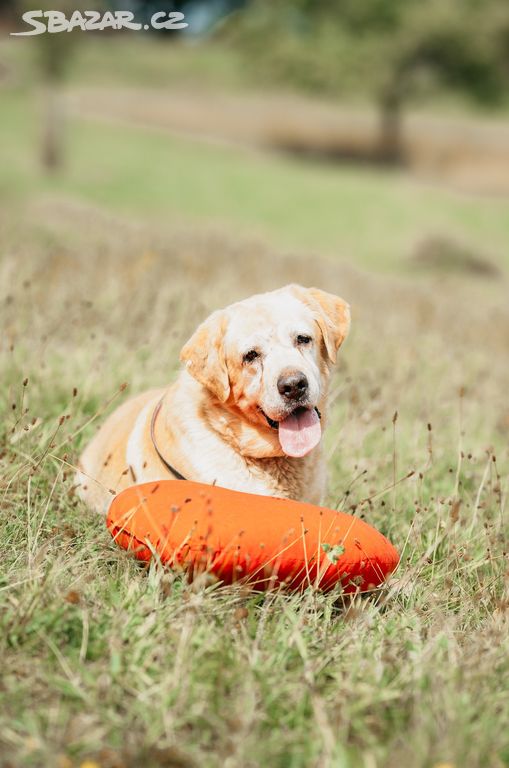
(420, 84)
(367, 131)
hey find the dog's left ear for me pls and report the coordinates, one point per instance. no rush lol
(331, 313)
(204, 356)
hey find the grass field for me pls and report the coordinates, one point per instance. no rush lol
(104, 272)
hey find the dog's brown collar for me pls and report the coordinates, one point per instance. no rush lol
(167, 464)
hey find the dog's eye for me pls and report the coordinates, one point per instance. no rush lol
(250, 356)
(303, 339)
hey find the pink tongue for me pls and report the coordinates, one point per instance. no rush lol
(300, 433)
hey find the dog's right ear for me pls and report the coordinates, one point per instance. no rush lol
(204, 355)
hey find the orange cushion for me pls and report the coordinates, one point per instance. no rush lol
(263, 540)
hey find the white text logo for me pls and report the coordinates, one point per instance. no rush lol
(93, 21)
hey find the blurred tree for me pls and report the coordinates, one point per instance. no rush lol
(388, 51)
(447, 43)
(54, 53)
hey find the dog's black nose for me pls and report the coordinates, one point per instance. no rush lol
(293, 386)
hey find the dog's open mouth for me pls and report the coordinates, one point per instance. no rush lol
(299, 432)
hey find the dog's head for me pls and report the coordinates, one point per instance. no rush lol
(268, 358)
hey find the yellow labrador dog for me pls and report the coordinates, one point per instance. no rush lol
(246, 412)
